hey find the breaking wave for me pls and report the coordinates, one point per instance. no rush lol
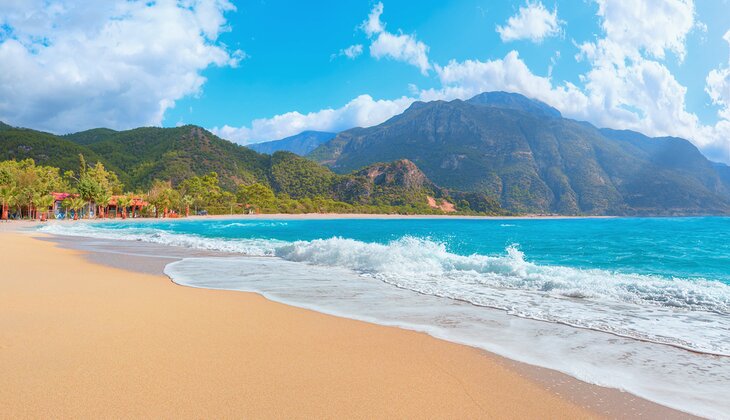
(686, 313)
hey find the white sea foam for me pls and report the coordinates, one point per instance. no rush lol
(259, 247)
(651, 320)
(689, 381)
(692, 314)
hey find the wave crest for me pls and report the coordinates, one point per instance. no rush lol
(681, 312)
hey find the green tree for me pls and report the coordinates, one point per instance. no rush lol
(299, 177)
(8, 198)
(88, 189)
(187, 201)
(44, 203)
(75, 204)
(123, 203)
(82, 165)
(258, 196)
(107, 180)
(162, 196)
(205, 190)
(102, 200)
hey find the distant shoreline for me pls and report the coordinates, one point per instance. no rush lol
(327, 216)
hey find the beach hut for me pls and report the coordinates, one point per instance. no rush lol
(120, 203)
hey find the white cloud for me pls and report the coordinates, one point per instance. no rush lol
(652, 26)
(352, 51)
(533, 21)
(372, 25)
(363, 111)
(465, 79)
(397, 46)
(717, 85)
(627, 86)
(67, 66)
(402, 48)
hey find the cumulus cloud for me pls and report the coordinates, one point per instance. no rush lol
(462, 80)
(650, 26)
(717, 85)
(627, 86)
(67, 66)
(533, 22)
(396, 46)
(363, 111)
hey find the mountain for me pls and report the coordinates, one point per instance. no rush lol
(507, 100)
(300, 144)
(88, 137)
(141, 155)
(178, 153)
(525, 153)
(396, 182)
(45, 149)
(402, 183)
(724, 172)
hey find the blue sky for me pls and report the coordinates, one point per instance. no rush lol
(260, 70)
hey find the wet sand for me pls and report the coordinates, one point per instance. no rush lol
(82, 339)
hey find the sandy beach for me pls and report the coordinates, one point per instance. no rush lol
(79, 339)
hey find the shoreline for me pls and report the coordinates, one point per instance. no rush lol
(598, 400)
(95, 341)
(321, 216)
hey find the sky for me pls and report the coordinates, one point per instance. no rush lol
(259, 70)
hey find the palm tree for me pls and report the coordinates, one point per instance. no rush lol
(123, 202)
(187, 201)
(76, 204)
(67, 204)
(102, 200)
(88, 189)
(44, 202)
(8, 198)
(36, 198)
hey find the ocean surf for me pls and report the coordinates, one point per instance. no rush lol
(625, 303)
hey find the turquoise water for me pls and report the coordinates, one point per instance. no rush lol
(670, 247)
(640, 304)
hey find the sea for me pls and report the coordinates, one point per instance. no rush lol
(637, 304)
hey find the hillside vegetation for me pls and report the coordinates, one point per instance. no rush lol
(533, 160)
(497, 152)
(186, 156)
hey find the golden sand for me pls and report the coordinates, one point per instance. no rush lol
(79, 339)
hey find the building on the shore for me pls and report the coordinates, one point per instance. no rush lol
(57, 209)
(136, 204)
(134, 209)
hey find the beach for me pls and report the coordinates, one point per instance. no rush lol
(81, 339)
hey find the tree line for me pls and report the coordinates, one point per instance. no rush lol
(26, 192)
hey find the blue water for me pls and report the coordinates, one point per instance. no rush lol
(669, 247)
(640, 304)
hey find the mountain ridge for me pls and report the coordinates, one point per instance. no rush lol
(537, 161)
(144, 154)
(300, 144)
(501, 145)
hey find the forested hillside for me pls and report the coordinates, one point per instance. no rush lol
(523, 152)
(495, 151)
(143, 157)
